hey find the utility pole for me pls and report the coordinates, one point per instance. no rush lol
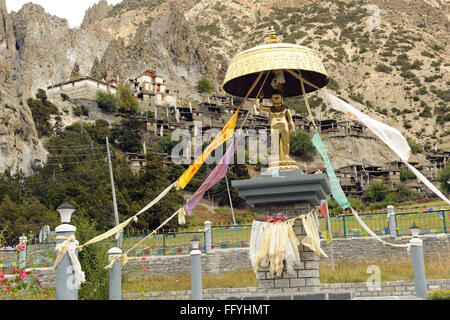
(116, 214)
(229, 196)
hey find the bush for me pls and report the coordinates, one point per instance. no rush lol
(126, 99)
(301, 145)
(41, 95)
(64, 97)
(41, 110)
(127, 135)
(383, 68)
(377, 191)
(443, 176)
(406, 174)
(107, 101)
(439, 294)
(415, 147)
(204, 85)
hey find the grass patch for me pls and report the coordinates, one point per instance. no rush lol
(155, 283)
(345, 272)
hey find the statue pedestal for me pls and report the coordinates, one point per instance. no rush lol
(292, 193)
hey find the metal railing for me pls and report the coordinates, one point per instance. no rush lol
(238, 236)
(346, 226)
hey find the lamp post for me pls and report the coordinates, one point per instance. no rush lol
(196, 270)
(420, 281)
(65, 275)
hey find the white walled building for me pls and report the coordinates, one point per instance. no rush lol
(82, 88)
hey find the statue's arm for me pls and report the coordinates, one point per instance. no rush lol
(289, 119)
(261, 107)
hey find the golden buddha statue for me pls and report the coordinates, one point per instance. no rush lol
(281, 126)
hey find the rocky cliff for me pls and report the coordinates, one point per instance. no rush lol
(396, 72)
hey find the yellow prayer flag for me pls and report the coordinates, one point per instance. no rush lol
(226, 133)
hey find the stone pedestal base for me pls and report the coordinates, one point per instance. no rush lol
(291, 194)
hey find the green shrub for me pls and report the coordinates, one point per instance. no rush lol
(383, 68)
(64, 97)
(126, 99)
(426, 113)
(439, 294)
(301, 145)
(41, 94)
(107, 101)
(41, 110)
(415, 147)
(377, 191)
(427, 54)
(204, 85)
(407, 74)
(443, 118)
(406, 174)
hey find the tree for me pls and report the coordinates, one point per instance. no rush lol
(127, 135)
(126, 100)
(204, 85)
(377, 191)
(444, 177)
(41, 95)
(415, 147)
(41, 110)
(301, 145)
(107, 101)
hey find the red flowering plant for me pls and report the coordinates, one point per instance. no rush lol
(19, 283)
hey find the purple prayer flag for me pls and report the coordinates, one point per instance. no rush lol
(215, 176)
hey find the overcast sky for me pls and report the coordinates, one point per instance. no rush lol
(72, 10)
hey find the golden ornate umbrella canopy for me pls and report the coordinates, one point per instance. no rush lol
(245, 67)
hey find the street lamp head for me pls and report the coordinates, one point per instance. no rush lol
(195, 243)
(65, 210)
(415, 230)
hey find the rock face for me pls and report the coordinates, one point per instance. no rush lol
(47, 50)
(20, 147)
(96, 13)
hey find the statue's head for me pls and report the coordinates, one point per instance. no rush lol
(277, 97)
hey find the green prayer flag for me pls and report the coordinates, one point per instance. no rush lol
(336, 189)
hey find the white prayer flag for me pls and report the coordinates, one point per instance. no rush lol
(177, 115)
(427, 182)
(392, 137)
(209, 102)
(255, 110)
(161, 132)
(156, 113)
(278, 79)
(190, 106)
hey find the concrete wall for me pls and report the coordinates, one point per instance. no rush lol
(223, 260)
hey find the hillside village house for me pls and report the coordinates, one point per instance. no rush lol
(81, 88)
(149, 84)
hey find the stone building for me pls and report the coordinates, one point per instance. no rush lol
(81, 88)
